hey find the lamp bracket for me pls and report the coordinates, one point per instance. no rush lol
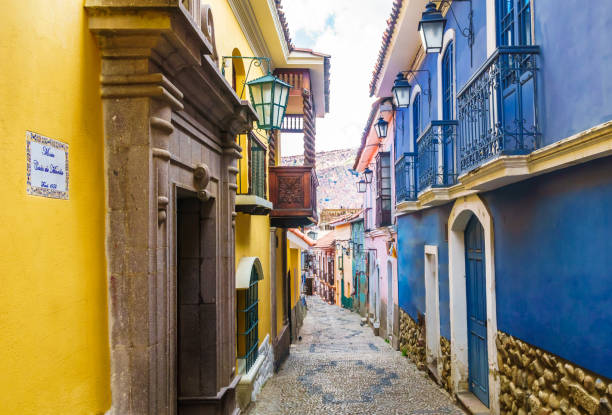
(468, 31)
(256, 61)
(428, 92)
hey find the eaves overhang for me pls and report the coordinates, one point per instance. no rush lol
(370, 143)
(266, 30)
(399, 48)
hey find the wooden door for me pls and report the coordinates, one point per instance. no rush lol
(476, 310)
(197, 360)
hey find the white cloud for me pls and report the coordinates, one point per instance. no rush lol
(353, 42)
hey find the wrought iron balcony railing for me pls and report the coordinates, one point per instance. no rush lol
(436, 155)
(497, 108)
(405, 178)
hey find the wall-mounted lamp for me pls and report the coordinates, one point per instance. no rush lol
(269, 95)
(401, 91)
(381, 127)
(367, 174)
(361, 186)
(432, 25)
(401, 88)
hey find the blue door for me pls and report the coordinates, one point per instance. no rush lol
(476, 310)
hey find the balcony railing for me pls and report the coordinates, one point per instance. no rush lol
(293, 192)
(497, 108)
(405, 178)
(293, 123)
(436, 155)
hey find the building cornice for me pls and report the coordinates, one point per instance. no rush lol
(580, 148)
(248, 23)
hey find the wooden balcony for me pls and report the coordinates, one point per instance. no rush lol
(293, 193)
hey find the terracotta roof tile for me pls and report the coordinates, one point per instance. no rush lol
(366, 132)
(301, 235)
(284, 24)
(326, 241)
(386, 40)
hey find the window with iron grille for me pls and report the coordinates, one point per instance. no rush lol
(248, 320)
(383, 189)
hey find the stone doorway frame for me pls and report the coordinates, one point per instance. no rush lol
(459, 217)
(433, 354)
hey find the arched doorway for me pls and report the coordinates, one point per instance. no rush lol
(476, 294)
(472, 297)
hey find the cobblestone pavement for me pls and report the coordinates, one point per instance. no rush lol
(340, 367)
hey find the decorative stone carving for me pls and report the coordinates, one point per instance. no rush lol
(201, 177)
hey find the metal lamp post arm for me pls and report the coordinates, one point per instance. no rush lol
(468, 31)
(428, 92)
(255, 61)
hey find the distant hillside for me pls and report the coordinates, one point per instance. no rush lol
(337, 187)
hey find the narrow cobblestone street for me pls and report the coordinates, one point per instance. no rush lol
(340, 367)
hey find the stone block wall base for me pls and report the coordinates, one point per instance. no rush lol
(534, 381)
(224, 403)
(472, 404)
(412, 339)
(251, 383)
(445, 377)
(281, 347)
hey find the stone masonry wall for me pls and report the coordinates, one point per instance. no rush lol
(445, 376)
(412, 339)
(412, 345)
(267, 368)
(539, 383)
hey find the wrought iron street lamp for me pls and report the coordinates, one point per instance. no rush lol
(431, 28)
(401, 88)
(432, 25)
(381, 127)
(361, 186)
(367, 174)
(269, 95)
(401, 91)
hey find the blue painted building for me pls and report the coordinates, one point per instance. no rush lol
(503, 188)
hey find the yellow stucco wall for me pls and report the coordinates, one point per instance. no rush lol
(253, 239)
(293, 264)
(53, 305)
(252, 231)
(279, 281)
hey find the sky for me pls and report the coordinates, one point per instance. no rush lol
(351, 32)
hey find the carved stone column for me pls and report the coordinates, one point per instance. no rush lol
(137, 113)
